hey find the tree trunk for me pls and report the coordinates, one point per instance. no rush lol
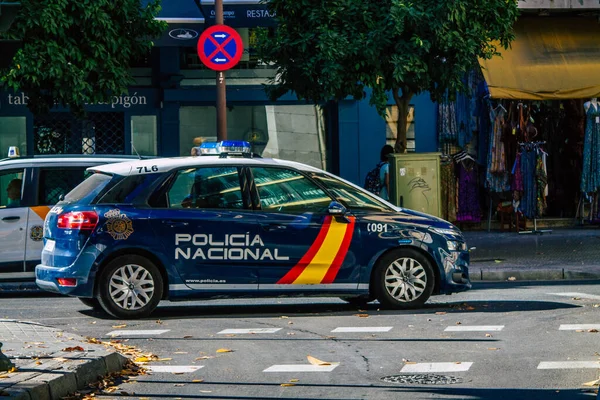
(403, 108)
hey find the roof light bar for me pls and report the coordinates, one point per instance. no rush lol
(226, 148)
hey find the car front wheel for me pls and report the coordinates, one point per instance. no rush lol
(404, 279)
(130, 287)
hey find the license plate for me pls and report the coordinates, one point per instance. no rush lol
(49, 246)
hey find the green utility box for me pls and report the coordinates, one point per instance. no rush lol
(415, 182)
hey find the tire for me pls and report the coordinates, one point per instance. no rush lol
(357, 301)
(403, 279)
(139, 276)
(93, 303)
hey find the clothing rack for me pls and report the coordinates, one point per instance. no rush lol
(535, 230)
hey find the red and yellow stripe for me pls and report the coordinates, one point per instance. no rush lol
(325, 256)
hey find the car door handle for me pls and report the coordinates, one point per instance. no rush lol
(10, 219)
(175, 224)
(272, 227)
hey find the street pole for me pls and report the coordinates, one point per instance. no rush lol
(221, 92)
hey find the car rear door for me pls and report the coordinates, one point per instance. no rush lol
(13, 221)
(208, 229)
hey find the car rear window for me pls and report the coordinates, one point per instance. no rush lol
(127, 189)
(89, 188)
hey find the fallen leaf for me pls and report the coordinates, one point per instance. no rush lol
(164, 359)
(38, 363)
(488, 335)
(362, 315)
(197, 380)
(158, 321)
(284, 317)
(578, 330)
(458, 362)
(177, 373)
(76, 348)
(187, 336)
(203, 358)
(4, 376)
(512, 278)
(288, 384)
(593, 330)
(470, 308)
(119, 326)
(493, 348)
(440, 313)
(61, 359)
(497, 261)
(459, 323)
(410, 362)
(294, 380)
(592, 383)
(576, 298)
(179, 384)
(224, 351)
(316, 361)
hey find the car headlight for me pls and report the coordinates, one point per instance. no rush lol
(445, 231)
(456, 246)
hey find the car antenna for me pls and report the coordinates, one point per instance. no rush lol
(134, 149)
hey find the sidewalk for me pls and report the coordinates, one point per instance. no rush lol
(50, 364)
(572, 253)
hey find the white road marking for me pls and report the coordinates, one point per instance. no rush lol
(437, 367)
(577, 294)
(568, 364)
(302, 368)
(575, 327)
(149, 332)
(248, 331)
(174, 369)
(345, 329)
(473, 328)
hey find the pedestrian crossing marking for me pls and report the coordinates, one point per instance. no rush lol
(437, 367)
(173, 369)
(568, 364)
(578, 295)
(149, 332)
(364, 329)
(575, 327)
(302, 368)
(474, 328)
(248, 331)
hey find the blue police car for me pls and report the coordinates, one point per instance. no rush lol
(234, 225)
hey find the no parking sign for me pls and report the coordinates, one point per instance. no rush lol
(220, 47)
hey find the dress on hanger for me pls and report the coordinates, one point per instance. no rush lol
(469, 209)
(590, 174)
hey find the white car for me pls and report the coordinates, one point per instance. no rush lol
(29, 187)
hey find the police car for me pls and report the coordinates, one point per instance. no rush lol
(29, 187)
(137, 232)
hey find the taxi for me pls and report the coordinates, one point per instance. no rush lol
(29, 187)
(231, 224)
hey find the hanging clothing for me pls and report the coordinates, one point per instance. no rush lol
(497, 178)
(448, 191)
(590, 174)
(528, 168)
(447, 129)
(469, 209)
(517, 183)
(541, 183)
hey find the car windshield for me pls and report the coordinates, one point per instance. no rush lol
(349, 195)
(89, 188)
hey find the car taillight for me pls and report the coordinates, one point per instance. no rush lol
(82, 220)
(67, 281)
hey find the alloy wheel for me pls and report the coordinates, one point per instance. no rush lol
(405, 279)
(131, 287)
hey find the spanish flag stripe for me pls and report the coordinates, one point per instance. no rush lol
(293, 273)
(41, 211)
(316, 270)
(341, 254)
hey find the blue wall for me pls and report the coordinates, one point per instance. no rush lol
(362, 134)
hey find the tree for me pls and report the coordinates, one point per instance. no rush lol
(329, 50)
(78, 52)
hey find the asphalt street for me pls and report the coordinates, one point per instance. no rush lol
(512, 340)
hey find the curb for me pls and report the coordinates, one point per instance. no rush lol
(54, 379)
(479, 274)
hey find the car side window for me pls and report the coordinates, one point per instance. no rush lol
(55, 182)
(286, 190)
(350, 196)
(206, 187)
(11, 188)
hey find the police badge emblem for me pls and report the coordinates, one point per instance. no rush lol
(37, 233)
(119, 226)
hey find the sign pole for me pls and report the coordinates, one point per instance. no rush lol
(221, 92)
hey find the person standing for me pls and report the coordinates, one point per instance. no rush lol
(384, 172)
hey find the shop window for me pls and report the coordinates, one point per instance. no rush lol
(143, 135)
(13, 132)
(290, 132)
(392, 127)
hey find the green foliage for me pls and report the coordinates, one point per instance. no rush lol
(78, 52)
(332, 49)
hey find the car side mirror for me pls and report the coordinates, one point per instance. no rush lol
(336, 208)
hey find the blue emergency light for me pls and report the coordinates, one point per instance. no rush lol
(225, 148)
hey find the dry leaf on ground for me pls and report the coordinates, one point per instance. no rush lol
(316, 361)
(119, 326)
(224, 351)
(76, 348)
(362, 315)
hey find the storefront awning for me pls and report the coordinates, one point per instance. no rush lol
(551, 58)
(186, 20)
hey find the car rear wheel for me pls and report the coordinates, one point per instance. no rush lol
(91, 302)
(130, 287)
(404, 279)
